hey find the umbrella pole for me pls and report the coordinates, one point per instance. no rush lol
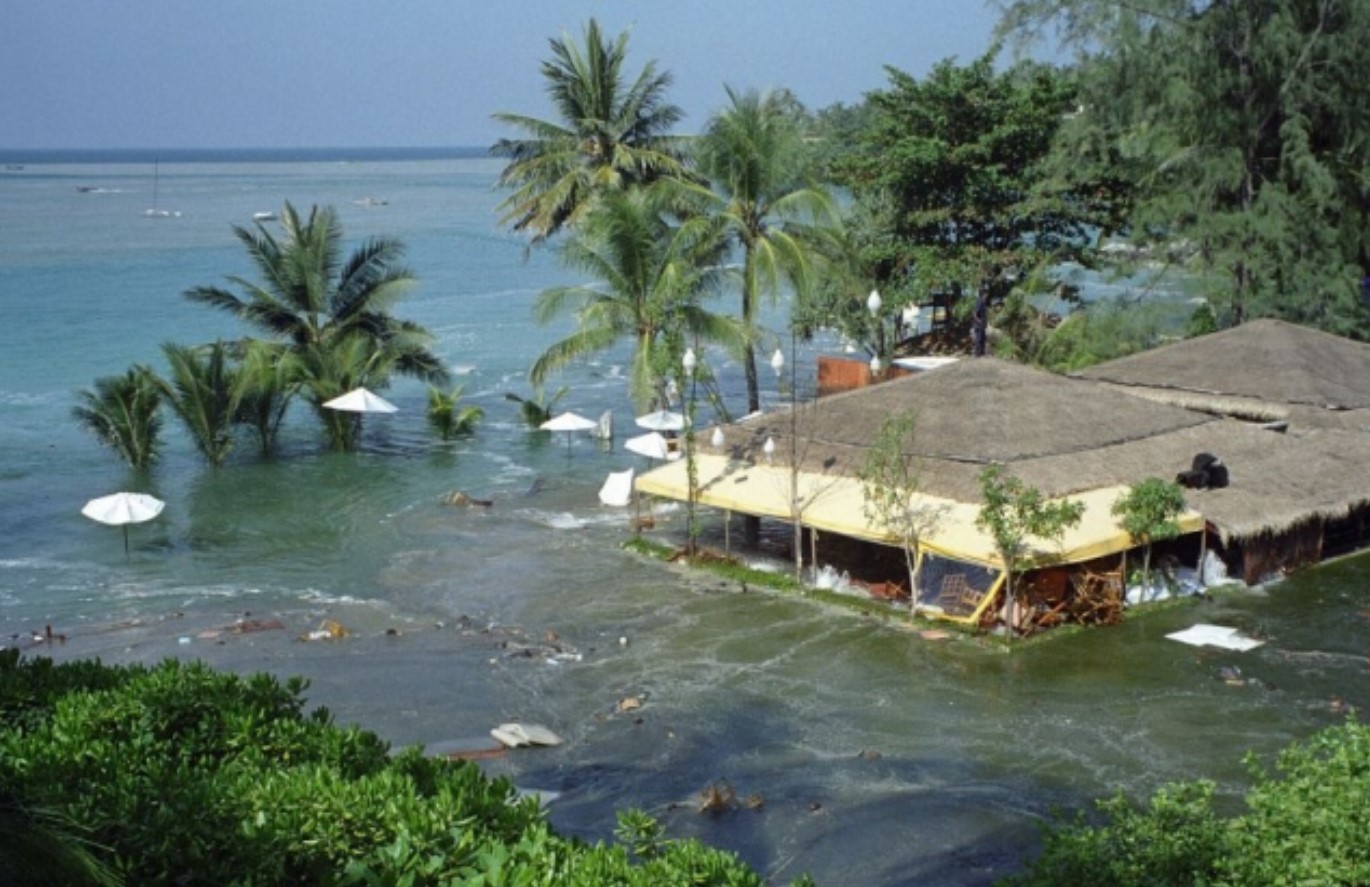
(125, 540)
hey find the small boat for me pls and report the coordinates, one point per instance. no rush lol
(267, 216)
(156, 212)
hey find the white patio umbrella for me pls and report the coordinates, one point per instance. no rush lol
(652, 445)
(661, 420)
(570, 423)
(122, 509)
(360, 400)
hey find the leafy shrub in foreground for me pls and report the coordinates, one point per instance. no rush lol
(1308, 824)
(177, 774)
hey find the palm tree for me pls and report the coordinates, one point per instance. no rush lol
(447, 417)
(203, 391)
(325, 372)
(610, 135)
(650, 273)
(537, 409)
(265, 384)
(311, 297)
(754, 156)
(122, 413)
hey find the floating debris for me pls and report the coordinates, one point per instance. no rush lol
(516, 735)
(328, 630)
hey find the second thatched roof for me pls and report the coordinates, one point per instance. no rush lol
(1267, 370)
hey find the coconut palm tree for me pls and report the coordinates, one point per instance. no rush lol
(610, 134)
(447, 417)
(265, 385)
(311, 297)
(753, 155)
(650, 273)
(324, 372)
(203, 391)
(123, 414)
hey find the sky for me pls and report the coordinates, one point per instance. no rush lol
(422, 73)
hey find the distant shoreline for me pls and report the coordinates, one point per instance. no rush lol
(39, 156)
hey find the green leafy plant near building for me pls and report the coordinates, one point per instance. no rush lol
(177, 774)
(1303, 824)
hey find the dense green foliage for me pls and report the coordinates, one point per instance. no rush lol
(181, 775)
(945, 181)
(1233, 137)
(1305, 824)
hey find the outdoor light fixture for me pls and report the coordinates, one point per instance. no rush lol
(875, 366)
(769, 448)
(689, 361)
(874, 303)
(717, 439)
(778, 361)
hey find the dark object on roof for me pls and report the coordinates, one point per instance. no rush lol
(1206, 472)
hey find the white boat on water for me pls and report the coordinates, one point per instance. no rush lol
(267, 216)
(156, 212)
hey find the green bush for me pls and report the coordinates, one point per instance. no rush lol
(1310, 824)
(177, 774)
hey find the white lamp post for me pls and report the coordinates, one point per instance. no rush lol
(689, 363)
(873, 304)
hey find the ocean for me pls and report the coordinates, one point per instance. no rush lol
(882, 758)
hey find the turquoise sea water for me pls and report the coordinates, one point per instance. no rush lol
(883, 758)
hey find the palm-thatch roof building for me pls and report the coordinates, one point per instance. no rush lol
(1068, 438)
(1264, 370)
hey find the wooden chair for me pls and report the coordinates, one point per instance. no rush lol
(956, 596)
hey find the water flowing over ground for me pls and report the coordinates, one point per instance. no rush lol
(879, 758)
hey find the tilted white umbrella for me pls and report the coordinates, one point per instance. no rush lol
(122, 509)
(652, 445)
(570, 423)
(360, 400)
(661, 420)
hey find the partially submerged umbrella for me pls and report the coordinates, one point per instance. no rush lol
(570, 423)
(661, 420)
(122, 509)
(360, 400)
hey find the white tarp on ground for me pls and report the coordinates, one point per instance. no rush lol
(1203, 635)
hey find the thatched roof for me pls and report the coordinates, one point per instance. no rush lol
(969, 415)
(1260, 369)
(1066, 436)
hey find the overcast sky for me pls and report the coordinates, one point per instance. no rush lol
(420, 73)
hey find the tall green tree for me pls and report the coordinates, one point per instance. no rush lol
(946, 179)
(123, 412)
(610, 133)
(650, 274)
(1243, 136)
(773, 211)
(203, 392)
